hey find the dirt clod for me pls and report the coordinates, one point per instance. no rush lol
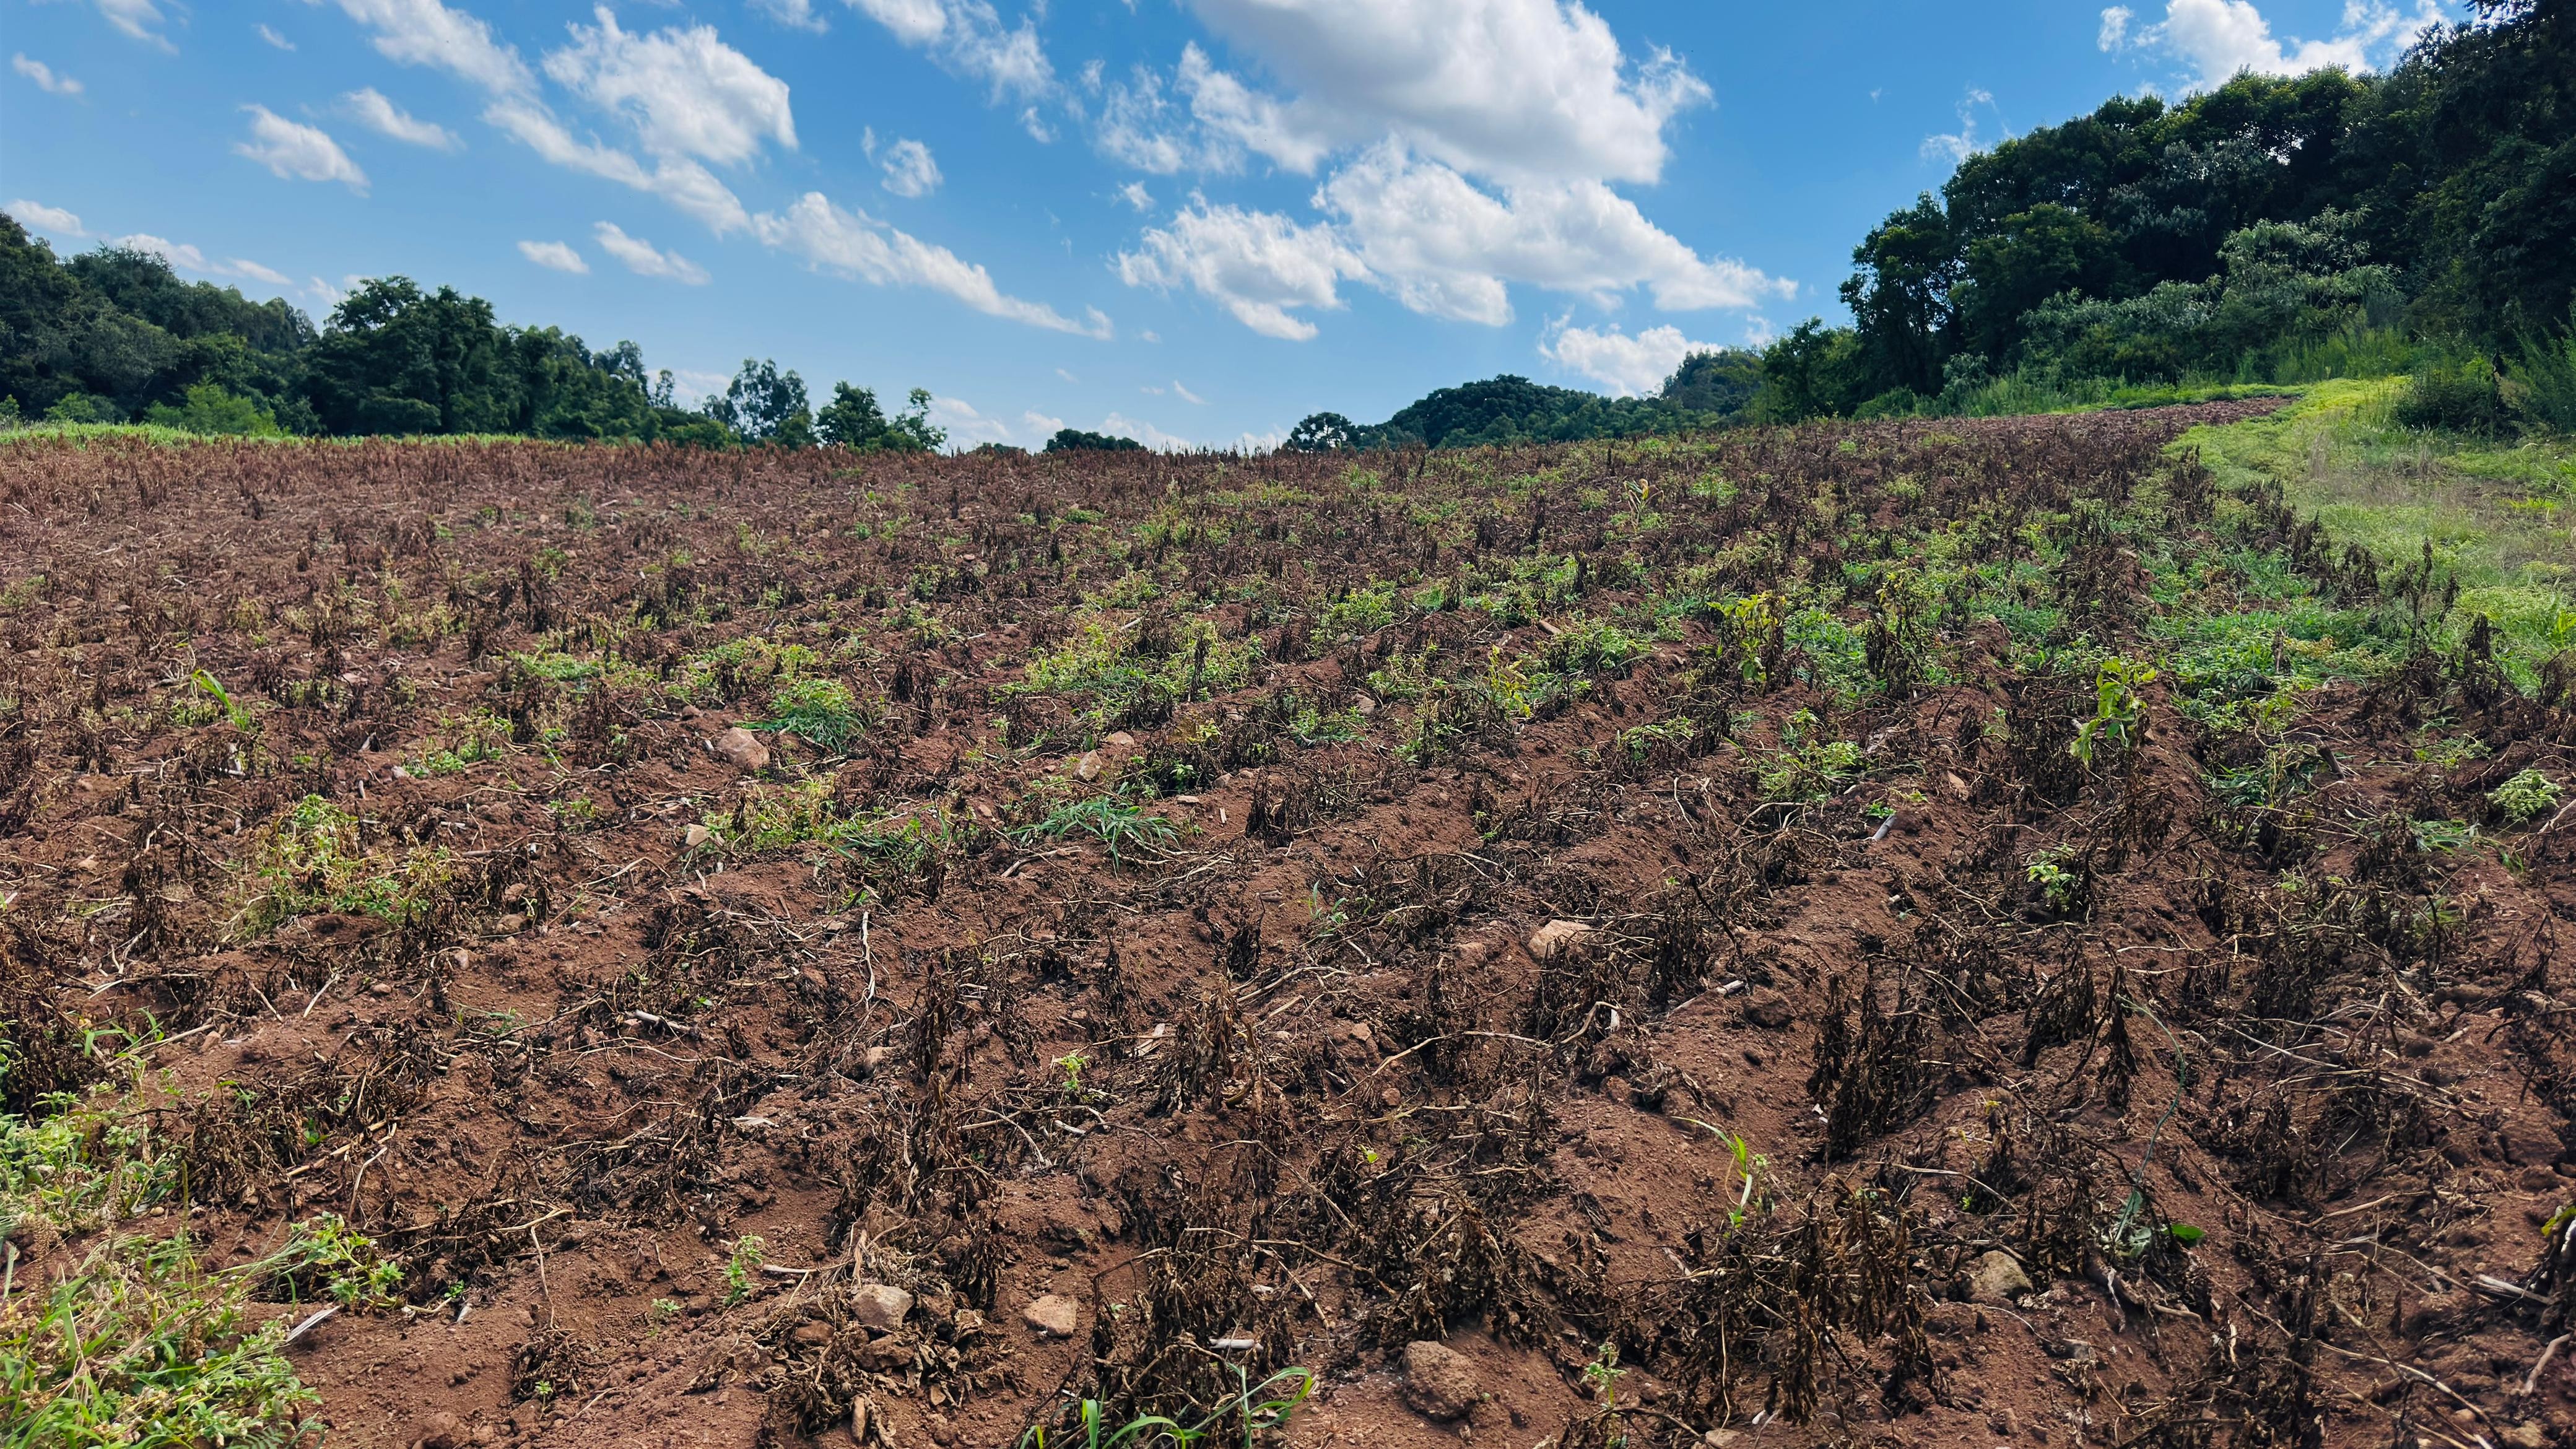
(1439, 1381)
(1054, 1315)
(1556, 938)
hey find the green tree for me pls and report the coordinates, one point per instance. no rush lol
(854, 420)
(395, 359)
(1075, 440)
(765, 405)
(1721, 383)
(1321, 433)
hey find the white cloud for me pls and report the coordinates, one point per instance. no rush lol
(1185, 395)
(909, 169)
(643, 258)
(140, 19)
(967, 36)
(686, 92)
(44, 76)
(187, 257)
(237, 267)
(1122, 426)
(688, 382)
(1628, 366)
(46, 218)
(794, 14)
(1504, 88)
(426, 32)
(554, 256)
(177, 254)
(682, 182)
(1135, 195)
(2115, 27)
(857, 245)
(1442, 246)
(1483, 139)
(382, 116)
(1960, 145)
(323, 292)
(2219, 38)
(967, 427)
(269, 33)
(736, 98)
(298, 152)
(1040, 426)
(1256, 264)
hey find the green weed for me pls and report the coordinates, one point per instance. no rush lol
(312, 859)
(1113, 822)
(2525, 796)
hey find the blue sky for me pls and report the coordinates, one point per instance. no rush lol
(1190, 222)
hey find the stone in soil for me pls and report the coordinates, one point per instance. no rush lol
(1055, 1315)
(1439, 1381)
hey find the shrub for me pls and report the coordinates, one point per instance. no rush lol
(2541, 383)
(2453, 397)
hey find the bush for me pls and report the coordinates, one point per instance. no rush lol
(2453, 397)
(2541, 384)
(211, 410)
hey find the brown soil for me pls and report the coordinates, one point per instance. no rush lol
(1331, 1101)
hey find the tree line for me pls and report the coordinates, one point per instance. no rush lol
(114, 335)
(2273, 230)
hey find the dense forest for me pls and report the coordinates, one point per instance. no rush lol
(114, 335)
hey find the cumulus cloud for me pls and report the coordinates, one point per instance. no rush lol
(45, 77)
(370, 109)
(682, 182)
(1257, 265)
(1135, 195)
(2115, 27)
(2219, 38)
(909, 169)
(968, 37)
(1628, 366)
(46, 218)
(428, 33)
(1479, 144)
(555, 256)
(643, 258)
(1501, 88)
(1443, 246)
(269, 34)
(298, 152)
(794, 14)
(686, 92)
(856, 245)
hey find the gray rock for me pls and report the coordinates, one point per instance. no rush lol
(1439, 1381)
(1998, 1278)
(880, 1307)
